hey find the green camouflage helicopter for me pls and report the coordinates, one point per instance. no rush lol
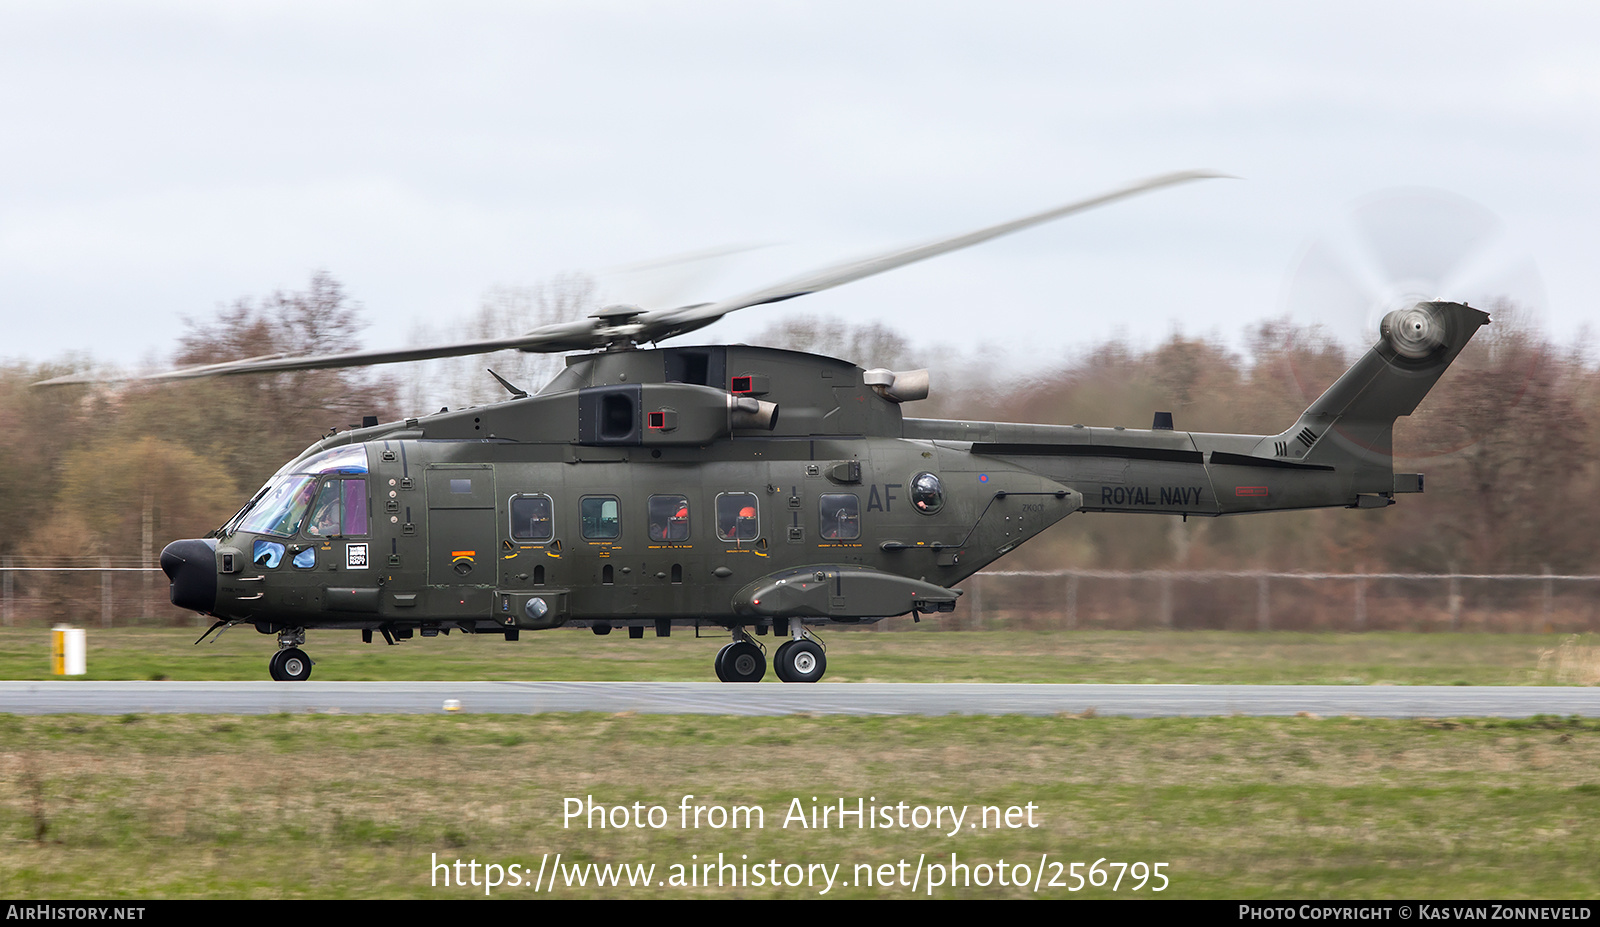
(744, 488)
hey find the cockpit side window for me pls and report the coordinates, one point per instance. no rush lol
(340, 510)
(324, 520)
(355, 507)
(280, 508)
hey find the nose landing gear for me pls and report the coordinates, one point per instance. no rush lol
(290, 663)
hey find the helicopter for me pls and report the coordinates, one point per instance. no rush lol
(752, 489)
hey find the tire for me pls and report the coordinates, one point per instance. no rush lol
(722, 674)
(803, 661)
(780, 661)
(743, 662)
(293, 665)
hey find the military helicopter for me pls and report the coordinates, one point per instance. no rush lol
(751, 489)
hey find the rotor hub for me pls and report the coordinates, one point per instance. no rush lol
(1415, 332)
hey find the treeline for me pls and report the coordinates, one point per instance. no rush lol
(1507, 440)
(118, 471)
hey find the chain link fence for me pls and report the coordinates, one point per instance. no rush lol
(120, 593)
(103, 591)
(1259, 600)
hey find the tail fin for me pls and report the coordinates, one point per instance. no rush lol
(1352, 424)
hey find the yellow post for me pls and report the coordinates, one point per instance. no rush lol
(68, 651)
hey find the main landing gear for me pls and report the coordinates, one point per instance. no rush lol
(290, 663)
(741, 661)
(799, 659)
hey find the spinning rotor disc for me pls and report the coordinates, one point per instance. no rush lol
(1390, 251)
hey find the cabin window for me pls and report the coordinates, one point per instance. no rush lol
(601, 521)
(306, 559)
(926, 493)
(532, 518)
(839, 514)
(669, 518)
(737, 517)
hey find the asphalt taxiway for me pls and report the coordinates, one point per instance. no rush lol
(712, 698)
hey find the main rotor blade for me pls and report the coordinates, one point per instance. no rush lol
(607, 330)
(664, 323)
(580, 335)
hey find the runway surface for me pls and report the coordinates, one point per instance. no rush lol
(711, 698)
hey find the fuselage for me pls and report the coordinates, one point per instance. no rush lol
(619, 496)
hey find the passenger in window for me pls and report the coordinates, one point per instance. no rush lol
(669, 518)
(926, 493)
(839, 517)
(736, 517)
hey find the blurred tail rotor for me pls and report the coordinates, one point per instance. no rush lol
(1360, 281)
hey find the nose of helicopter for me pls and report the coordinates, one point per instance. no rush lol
(191, 565)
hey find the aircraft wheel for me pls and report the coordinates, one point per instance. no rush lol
(780, 661)
(801, 661)
(743, 662)
(721, 655)
(290, 665)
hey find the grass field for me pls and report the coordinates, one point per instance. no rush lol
(1279, 657)
(288, 806)
(360, 807)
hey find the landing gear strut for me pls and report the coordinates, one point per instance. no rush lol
(290, 663)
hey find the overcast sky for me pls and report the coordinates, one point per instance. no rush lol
(157, 159)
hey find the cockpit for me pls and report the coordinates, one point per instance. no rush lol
(323, 496)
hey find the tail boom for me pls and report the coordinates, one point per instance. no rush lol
(1339, 453)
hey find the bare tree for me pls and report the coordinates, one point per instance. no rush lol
(505, 311)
